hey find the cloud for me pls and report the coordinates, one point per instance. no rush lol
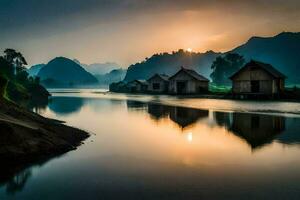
(128, 30)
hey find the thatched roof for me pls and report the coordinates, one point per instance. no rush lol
(161, 76)
(266, 67)
(192, 73)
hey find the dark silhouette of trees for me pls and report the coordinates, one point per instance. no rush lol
(14, 80)
(16, 60)
(224, 66)
(9, 55)
(6, 68)
(12, 63)
(170, 63)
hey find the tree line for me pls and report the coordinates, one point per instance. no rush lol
(15, 82)
(225, 66)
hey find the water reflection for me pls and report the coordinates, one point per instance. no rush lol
(36, 105)
(291, 135)
(191, 148)
(183, 117)
(66, 105)
(257, 130)
(14, 178)
(17, 183)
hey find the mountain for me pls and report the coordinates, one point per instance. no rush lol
(281, 51)
(98, 68)
(35, 69)
(166, 63)
(64, 72)
(115, 75)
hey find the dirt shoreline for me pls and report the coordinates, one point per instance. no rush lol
(26, 137)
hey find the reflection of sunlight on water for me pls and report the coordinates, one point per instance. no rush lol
(190, 136)
(189, 146)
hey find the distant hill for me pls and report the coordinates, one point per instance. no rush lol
(115, 75)
(64, 72)
(35, 69)
(282, 51)
(99, 68)
(166, 63)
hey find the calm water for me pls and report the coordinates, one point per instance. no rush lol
(142, 149)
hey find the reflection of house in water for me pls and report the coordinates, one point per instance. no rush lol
(223, 119)
(187, 116)
(158, 111)
(256, 129)
(180, 115)
(136, 105)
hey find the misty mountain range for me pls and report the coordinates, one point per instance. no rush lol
(35, 69)
(99, 68)
(281, 51)
(169, 64)
(64, 72)
(113, 76)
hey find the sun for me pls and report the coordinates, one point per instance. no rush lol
(190, 136)
(189, 50)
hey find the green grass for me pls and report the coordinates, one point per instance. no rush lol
(15, 91)
(219, 89)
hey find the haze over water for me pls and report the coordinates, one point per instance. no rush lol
(143, 149)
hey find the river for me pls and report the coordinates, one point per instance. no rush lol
(160, 147)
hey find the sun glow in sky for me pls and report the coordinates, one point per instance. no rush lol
(190, 136)
(128, 31)
(189, 49)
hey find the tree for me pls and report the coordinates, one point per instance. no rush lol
(16, 59)
(6, 68)
(10, 54)
(14, 80)
(22, 77)
(224, 67)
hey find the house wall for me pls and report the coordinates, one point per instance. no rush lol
(137, 87)
(203, 85)
(163, 85)
(193, 85)
(242, 82)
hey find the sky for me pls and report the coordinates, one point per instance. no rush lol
(127, 31)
